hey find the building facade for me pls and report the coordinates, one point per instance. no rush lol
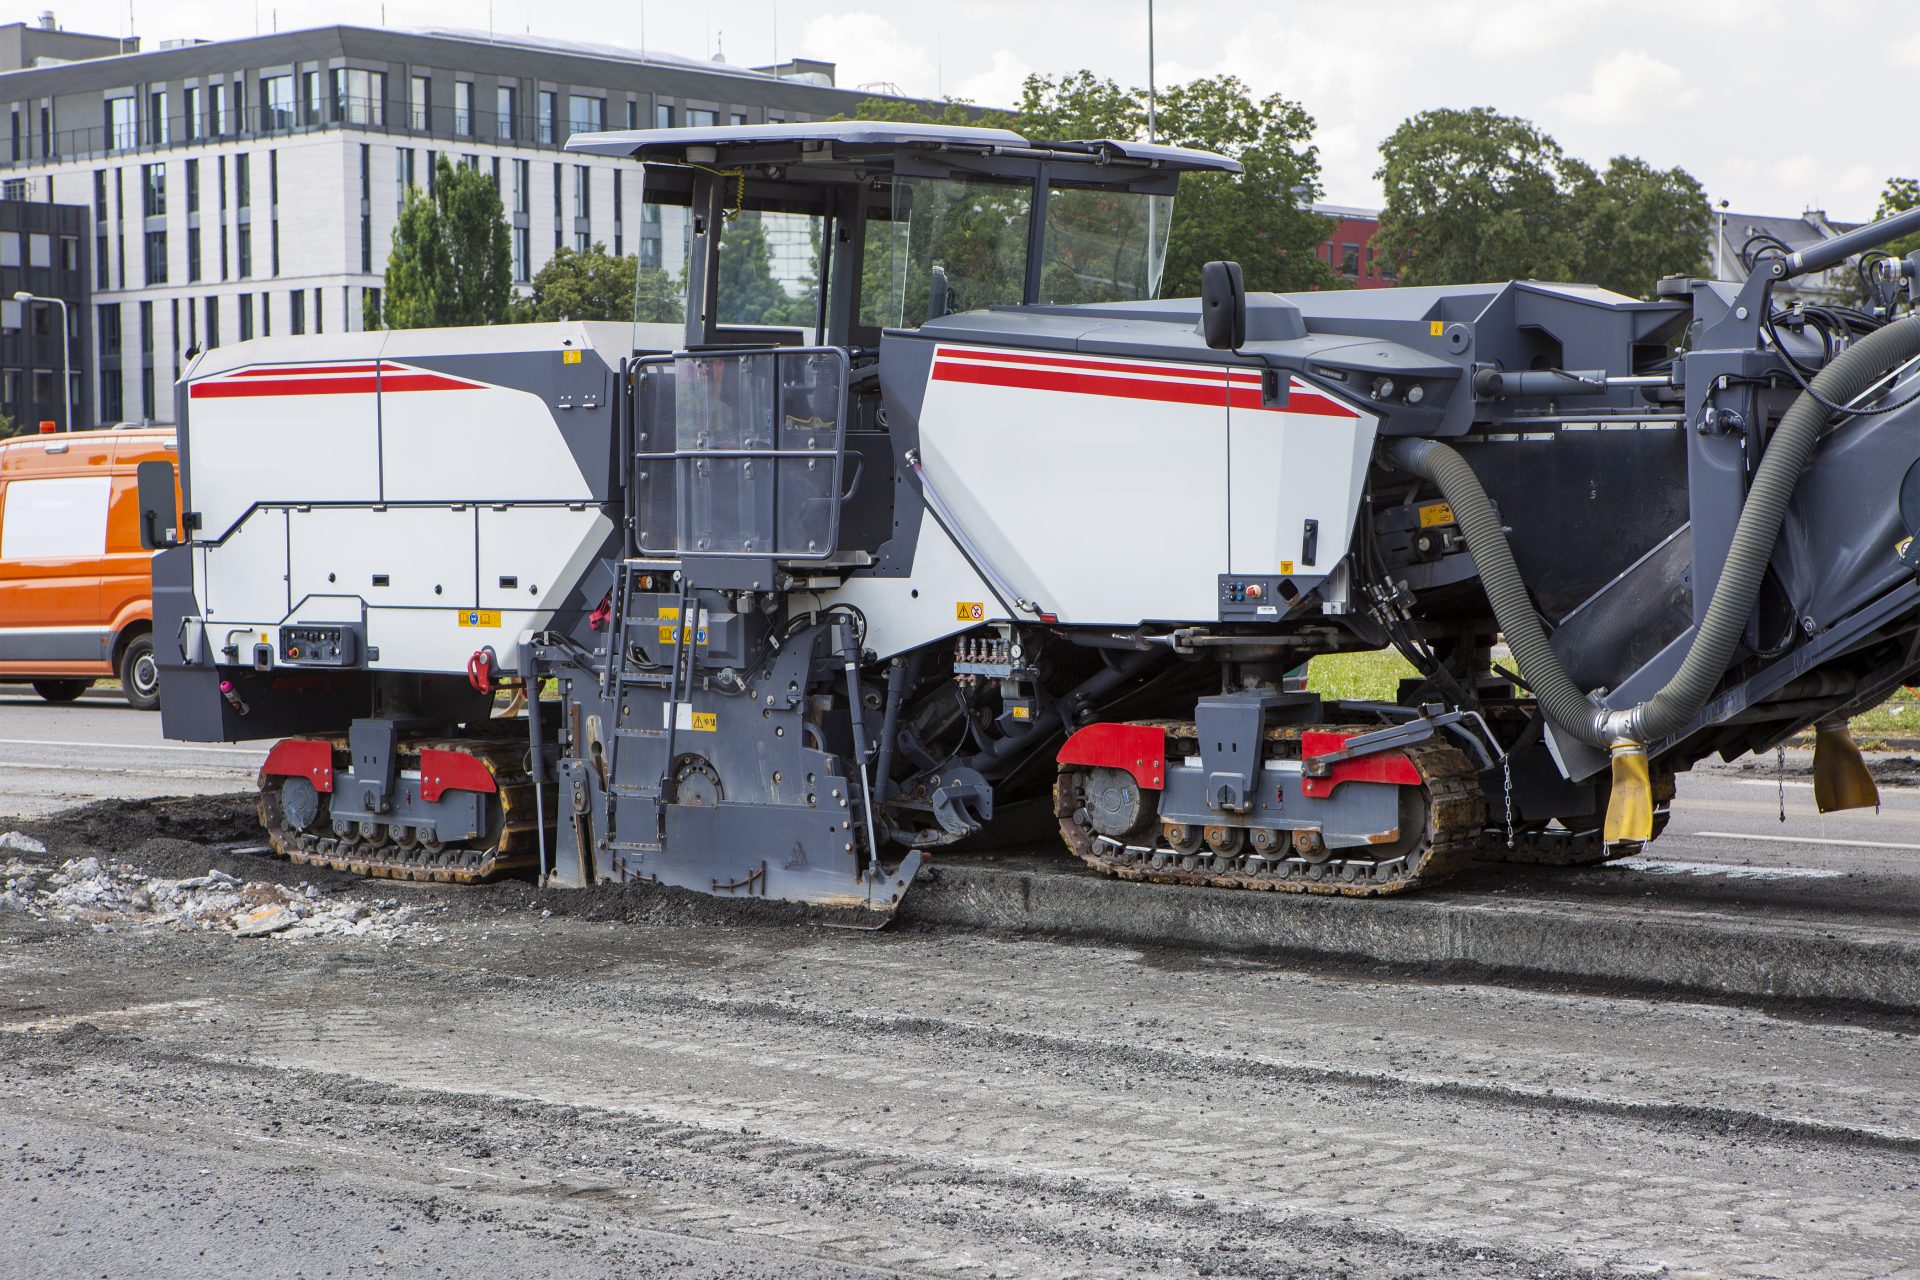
(250, 187)
(1348, 249)
(42, 252)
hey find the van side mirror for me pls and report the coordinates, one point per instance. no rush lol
(159, 513)
(1223, 306)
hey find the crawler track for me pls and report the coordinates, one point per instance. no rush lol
(1444, 837)
(509, 847)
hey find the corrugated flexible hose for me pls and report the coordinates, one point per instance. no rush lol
(1564, 703)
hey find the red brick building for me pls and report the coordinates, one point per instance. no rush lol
(1348, 248)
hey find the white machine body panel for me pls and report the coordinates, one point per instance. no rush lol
(1115, 490)
(346, 478)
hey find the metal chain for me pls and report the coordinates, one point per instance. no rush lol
(1506, 770)
(1780, 771)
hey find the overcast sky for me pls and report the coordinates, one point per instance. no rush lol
(1774, 105)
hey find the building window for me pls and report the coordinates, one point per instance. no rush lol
(315, 102)
(213, 323)
(701, 119)
(69, 253)
(153, 186)
(522, 252)
(617, 214)
(276, 102)
(402, 174)
(193, 186)
(319, 324)
(549, 108)
(246, 316)
(266, 315)
(662, 116)
(146, 361)
(157, 118)
(633, 114)
(522, 186)
(122, 124)
(366, 210)
(107, 321)
(419, 102)
(559, 180)
(218, 111)
(112, 404)
(586, 115)
(360, 97)
(463, 107)
(243, 182)
(297, 311)
(193, 253)
(1350, 260)
(582, 191)
(243, 250)
(504, 108)
(221, 164)
(737, 118)
(156, 257)
(191, 126)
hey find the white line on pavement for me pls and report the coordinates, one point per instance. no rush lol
(1766, 839)
(131, 746)
(1668, 867)
(34, 766)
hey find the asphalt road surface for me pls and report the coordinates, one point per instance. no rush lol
(609, 1084)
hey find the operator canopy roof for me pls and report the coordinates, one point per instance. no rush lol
(872, 141)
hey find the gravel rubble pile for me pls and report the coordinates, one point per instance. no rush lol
(112, 895)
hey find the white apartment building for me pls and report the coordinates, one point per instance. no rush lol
(250, 187)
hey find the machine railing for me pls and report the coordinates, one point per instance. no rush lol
(740, 453)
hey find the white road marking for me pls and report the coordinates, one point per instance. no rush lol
(1746, 835)
(131, 746)
(1668, 867)
(1766, 782)
(34, 766)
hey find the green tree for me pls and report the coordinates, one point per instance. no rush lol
(450, 263)
(595, 285)
(1256, 218)
(1636, 224)
(1475, 196)
(1900, 195)
(8, 427)
(1259, 218)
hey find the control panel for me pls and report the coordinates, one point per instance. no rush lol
(1254, 598)
(309, 644)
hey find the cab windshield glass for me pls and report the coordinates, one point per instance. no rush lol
(1104, 245)
(954, 244)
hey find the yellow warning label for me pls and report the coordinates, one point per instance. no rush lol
(705, 722)
(1022, 712)
(668, 611)
(479, 617)
(569, 357)
(969, 611)
(1436, 513)
(1286, 566)
(671, 635)
(1436, 327)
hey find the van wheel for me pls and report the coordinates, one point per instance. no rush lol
(61, 690)
(140, 674)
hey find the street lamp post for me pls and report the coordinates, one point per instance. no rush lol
(66, 363)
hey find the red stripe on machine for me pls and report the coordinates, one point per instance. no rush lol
(349, 384)
(1127, 380)
(301, 758)
(1380, 766)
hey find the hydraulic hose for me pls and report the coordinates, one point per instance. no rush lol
(1569, 709)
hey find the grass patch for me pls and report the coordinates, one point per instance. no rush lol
(1359, 677)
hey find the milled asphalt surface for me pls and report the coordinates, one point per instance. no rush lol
(635, 1084)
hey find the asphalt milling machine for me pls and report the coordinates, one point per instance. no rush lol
(992, 543)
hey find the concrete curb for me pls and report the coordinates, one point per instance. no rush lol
(1680, 948)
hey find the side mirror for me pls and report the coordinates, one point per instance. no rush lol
(1223, 306)
(159, 513)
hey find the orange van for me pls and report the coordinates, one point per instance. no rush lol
(76, 590)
